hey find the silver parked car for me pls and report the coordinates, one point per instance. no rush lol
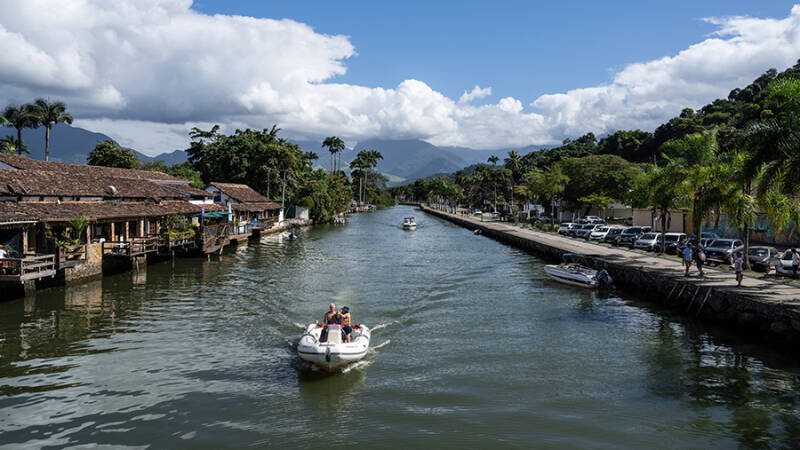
(648, 241)
(723, 250)
(612, 235)
(784, 266)
(763, 258)
(565, 227)
(584, 231)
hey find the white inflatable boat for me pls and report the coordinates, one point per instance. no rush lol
(328, 350)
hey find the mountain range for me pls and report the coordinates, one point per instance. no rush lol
(403, 160)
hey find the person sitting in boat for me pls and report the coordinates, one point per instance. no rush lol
(346, 328)
(332, 317)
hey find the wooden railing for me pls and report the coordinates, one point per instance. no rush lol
(168, 242)
(27, 268)
(134, 247)
(243, 228)
(216, 236)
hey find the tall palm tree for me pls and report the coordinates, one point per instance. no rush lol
(357, 167)
(660, 188)
(334, 145)
(493, 159)
(20, 117)
(49, 113)
(514, 164)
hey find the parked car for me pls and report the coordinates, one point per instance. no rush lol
(599, 233)
(631, 234)
(763, 258)
(784, 266)
(585, 230)
(723, 250)
(672, 242)
(648, 241)
(709, 236)
(574, 231)
(612, 235)
(565, 227)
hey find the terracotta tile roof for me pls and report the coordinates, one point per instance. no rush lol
(60, 212)
(240, 192)
(255, 206)
(57, 184)
(25, 163)
(188, 190)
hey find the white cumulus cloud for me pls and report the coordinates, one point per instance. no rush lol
(145, 71)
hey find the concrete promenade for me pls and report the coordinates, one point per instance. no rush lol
(762, 305)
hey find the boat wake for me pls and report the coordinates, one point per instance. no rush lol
(381, 345)
(357, 365)
(383, 325)
(300, 325)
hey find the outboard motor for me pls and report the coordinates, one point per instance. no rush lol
(604, 279)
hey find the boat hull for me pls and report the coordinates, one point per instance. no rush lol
(409, 227)
(572, 278)
(331, 356)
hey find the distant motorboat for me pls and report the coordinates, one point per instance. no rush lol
(477, 231)
(409, 224)
(327, 350)
(574, 273)
(289, 235)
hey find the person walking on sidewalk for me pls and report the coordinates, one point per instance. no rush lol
(700, 259)
(688, 256)
(738, 266)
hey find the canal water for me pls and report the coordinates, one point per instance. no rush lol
(473, 347)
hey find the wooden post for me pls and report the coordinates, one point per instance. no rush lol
(111, 238)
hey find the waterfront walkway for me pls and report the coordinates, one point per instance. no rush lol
(753, 288)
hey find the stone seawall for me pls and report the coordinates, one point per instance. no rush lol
(767, 308)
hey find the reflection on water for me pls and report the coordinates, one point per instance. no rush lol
(473, 346)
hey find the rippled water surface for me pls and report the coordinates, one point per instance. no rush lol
(473, 347)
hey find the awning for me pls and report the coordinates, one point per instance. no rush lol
(215, 214)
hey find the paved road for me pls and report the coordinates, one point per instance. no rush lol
(754, 287)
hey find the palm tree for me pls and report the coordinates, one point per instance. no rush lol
(8, 145)
(335, 145)
(493, 159)
(49, 113)
(660, 188)
(20, 117)
(357, 167)
(514, 164)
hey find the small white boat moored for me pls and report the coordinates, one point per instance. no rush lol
(409, 224)
(573, 273)
(328, 351)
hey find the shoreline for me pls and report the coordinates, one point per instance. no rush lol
(769, 309)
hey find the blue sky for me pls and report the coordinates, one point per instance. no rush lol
(522, 49)
(146, 71)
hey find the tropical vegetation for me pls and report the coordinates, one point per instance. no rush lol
(738, 156)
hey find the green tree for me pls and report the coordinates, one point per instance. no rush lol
(185, 171)
(20, 117)
(109, 154)
(335, 146)
(8, 145)
(660, 189)
(605, 175)
(493, 159)
(48, 113)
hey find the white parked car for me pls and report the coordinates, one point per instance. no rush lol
(648, 241)
(566, 226)
(599, 233)
(784, 266)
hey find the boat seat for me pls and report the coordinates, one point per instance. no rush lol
(334, 334)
